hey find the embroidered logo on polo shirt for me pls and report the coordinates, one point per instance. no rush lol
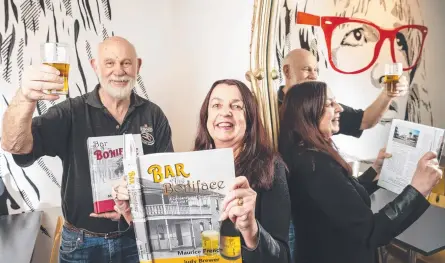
(146, 136)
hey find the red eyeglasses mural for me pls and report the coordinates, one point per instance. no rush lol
(354, 44)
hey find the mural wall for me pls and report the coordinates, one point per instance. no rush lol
(174, 68)
(352, 52)
(27, 24)
(23, 26)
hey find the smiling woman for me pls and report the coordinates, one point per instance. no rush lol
(331, 209)
(229, 118)
(226, 122)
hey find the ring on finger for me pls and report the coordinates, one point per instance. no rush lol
(240, 201)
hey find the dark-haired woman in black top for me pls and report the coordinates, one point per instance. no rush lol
(330, 208)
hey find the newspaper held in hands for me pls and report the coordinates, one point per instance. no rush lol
(407, 143)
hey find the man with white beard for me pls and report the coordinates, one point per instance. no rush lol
(112, 108)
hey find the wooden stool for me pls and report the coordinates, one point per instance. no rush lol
(56, 240)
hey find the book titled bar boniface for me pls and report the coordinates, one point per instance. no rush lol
(175, 200)
(105, 156)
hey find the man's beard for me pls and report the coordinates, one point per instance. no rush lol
(119, 93)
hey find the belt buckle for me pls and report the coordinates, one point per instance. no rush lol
(111, 235)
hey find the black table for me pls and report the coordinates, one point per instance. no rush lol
(18, 234)
(426, 236)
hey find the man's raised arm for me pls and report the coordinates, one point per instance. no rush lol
(17, 135)
(377, 109)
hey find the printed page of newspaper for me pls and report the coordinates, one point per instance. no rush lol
(407, 143)
(439, 147)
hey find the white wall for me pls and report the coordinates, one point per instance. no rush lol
(435, 52)
(213, 43)
(196, 43)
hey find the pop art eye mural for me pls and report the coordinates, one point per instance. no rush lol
(352, 41)
(349, 37)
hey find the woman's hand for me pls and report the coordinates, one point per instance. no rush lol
(121, 198)
(378, 163)
(427, 174)
(122, 205)
(120, 191)
(239, 207)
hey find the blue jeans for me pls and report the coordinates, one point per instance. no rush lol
(291, 240)
(76, 247)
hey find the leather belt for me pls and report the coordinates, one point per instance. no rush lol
(87, 233)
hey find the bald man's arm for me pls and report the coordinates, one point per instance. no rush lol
(375, 111)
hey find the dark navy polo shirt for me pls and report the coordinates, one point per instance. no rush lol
(63, 131)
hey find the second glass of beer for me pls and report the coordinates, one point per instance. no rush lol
(57, 56)
(393, 72)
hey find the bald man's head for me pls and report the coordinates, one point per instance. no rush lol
(116, 66)
(116, 41)
(299, 65)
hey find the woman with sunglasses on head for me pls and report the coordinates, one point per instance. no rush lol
(330, 208)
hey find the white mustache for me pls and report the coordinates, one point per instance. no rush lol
(121, 79)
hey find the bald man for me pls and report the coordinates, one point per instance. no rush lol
(112, 108)
(301, 65)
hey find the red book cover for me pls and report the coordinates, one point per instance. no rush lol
(106, 167)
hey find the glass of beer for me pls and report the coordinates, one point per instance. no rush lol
(393, 72)
(210, 242)
(57, 56)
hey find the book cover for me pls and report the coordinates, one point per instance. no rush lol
(182, 194)
(105, 156)
(137, 205)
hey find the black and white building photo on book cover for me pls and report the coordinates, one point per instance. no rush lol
(178, 220)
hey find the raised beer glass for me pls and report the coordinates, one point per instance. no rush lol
(57, 56)
(393, 72)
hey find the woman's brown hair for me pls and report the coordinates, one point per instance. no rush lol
(256, 159)
(300, 115)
